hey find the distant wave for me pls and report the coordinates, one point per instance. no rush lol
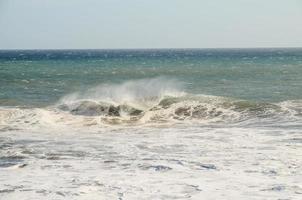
(146, 101)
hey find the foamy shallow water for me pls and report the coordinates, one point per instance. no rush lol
(180, 162)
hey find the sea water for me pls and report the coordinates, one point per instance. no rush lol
(151, 124)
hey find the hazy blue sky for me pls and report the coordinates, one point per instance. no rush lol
(44, 24)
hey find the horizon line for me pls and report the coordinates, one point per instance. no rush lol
(163, 48)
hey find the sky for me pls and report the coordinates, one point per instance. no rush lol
(111, 24)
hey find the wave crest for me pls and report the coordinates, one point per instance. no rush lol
(185, 109)
(147, 101)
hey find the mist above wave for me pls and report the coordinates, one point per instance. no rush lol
(142, 93)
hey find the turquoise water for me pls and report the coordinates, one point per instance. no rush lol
(43, 77)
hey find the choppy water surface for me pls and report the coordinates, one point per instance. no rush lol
(151, 124)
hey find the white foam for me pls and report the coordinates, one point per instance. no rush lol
(195, 162)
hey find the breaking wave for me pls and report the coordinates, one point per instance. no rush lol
(147, 101)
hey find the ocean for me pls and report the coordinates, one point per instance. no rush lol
(151, 124)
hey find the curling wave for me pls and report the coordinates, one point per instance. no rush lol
(150, 101)
(185, 109)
